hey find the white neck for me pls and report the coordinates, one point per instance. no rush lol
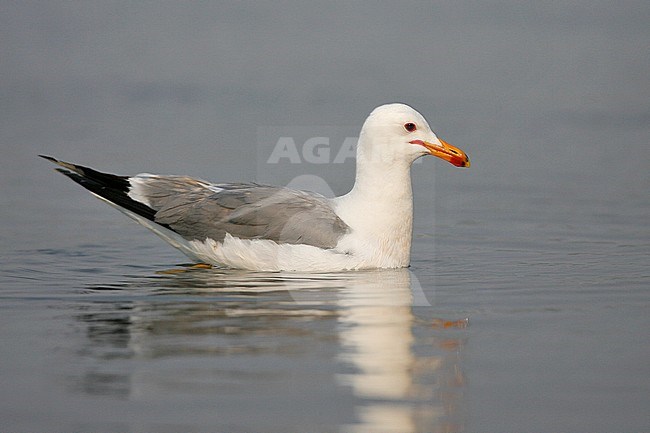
(379, 210)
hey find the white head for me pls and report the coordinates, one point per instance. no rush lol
(397, 134)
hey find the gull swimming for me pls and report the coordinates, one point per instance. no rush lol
(272, 228)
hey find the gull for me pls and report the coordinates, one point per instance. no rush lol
(272, 228)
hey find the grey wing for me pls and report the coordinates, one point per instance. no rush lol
(196, 209)
(199, 210)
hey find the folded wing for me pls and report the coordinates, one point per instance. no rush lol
(197, 210)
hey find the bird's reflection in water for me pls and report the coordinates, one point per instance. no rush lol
(403, 370)
(407, 386)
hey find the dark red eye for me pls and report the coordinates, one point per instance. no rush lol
(410, 127)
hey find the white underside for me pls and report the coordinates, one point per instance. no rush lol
(267, 255)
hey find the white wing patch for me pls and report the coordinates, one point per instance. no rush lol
(214, 188)
(137, 191)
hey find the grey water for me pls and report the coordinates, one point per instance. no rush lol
(527, 303)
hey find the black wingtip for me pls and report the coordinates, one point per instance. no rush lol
(113, 188)
(49, 158)
(79, 169)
